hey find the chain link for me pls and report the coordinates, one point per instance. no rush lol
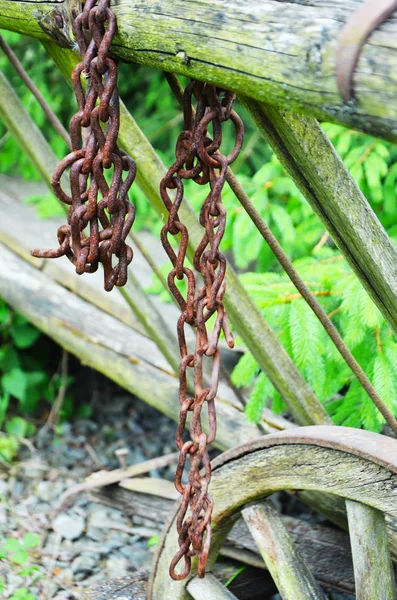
(104, 207)
(198, 158)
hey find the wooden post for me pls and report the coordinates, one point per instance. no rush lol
(373, 569)
(293, 578)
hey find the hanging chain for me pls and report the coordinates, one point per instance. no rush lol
(94, 130)
(198, 158)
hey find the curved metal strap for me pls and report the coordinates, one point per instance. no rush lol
(352, 38)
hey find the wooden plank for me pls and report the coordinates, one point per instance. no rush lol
(293, 578)
(373, 570)
(342, 461)
(311, 161)
(151, 485)
(208, 588)
(253, 48)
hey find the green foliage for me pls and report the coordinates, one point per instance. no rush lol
(153, 541)
(24, 379)
(358, 320)
(18, 554)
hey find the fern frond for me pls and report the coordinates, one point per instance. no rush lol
(245, 371)
(258, 398)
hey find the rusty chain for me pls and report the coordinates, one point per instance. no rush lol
(94, 131)
(198, 158)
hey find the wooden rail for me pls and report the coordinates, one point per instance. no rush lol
(283, 53)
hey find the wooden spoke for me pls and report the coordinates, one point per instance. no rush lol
(373, 569)
(290, 573)
(209, 588)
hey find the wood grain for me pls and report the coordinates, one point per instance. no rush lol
(209, 588)
(373, 570)
(281, 53)
(292, 576)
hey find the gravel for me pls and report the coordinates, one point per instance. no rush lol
(78, 545)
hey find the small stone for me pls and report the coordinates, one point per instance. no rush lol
(69, 526)
(50, 588)
(117, 566)
(84, 565)
(3, 487)
(49, 490)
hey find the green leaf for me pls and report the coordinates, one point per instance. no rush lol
(284, 224)
(24, 335)
(15, 383)
(9, 358)
(11, 545)
(384, 380)
(4, 312)
(22, 594)
(306, 333)
(17, 426)
(245, 370)
(8, 448)
(261, 392)
(20, 557)
(30, 540)
(153, 541)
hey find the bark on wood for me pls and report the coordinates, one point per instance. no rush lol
(373, 570)
(291, 574)
(286, 57)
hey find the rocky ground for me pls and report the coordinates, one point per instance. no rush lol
(84, 543)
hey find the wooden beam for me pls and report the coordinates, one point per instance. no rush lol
(209, 588)
(292, 576)
(373, 569)
(282, 54)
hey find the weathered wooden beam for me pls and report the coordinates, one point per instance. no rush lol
(292, 576)
(209, 588)
(373, 569)
(311, 161)
(283, 54)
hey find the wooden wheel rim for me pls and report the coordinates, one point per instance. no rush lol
(350, 463)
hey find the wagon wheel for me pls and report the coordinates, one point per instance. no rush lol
(359, 466)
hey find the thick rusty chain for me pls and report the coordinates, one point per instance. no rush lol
(93, 131)
(198, 158)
